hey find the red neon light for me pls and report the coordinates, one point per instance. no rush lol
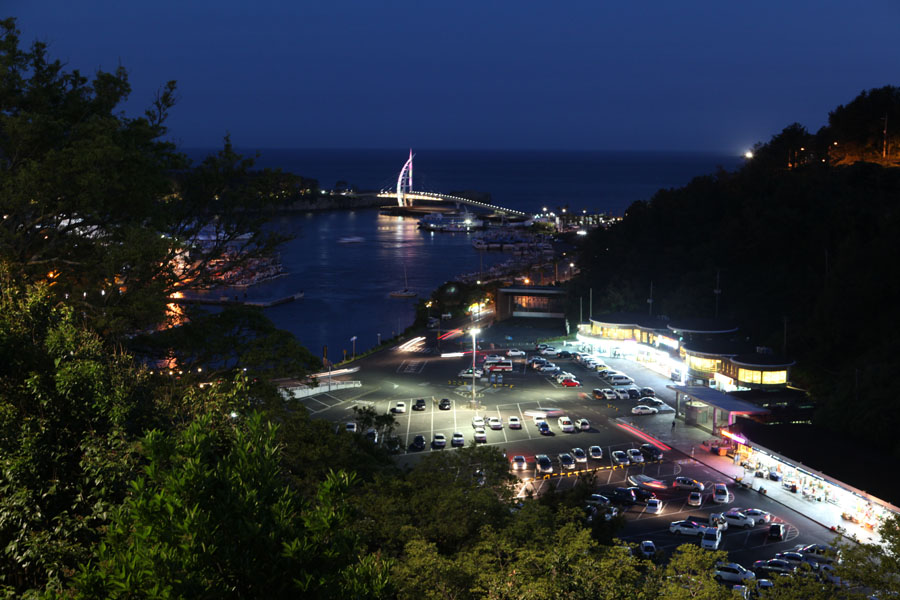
(644, 436)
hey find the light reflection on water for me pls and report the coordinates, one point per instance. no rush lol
(346, 285)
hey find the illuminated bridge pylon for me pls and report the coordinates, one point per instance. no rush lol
(405, 181)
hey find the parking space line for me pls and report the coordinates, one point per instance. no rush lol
(522, 420)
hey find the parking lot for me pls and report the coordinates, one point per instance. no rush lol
(395, 376)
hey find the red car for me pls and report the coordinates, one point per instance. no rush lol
(570, 383)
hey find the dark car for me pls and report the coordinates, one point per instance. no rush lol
(418, 443)
(598, 394)
(419, 404)
(544, 428)
(648, 391)
(633, 393)
(641, 494)
(651, 452)
(777, 531)
(622, 495)
(444, 404)
(773, 566)
(564, 354)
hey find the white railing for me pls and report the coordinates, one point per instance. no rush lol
(305, 391)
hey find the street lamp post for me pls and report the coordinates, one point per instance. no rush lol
(474, 331)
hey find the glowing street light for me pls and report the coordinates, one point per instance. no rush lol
(748, 154)
(474, 331)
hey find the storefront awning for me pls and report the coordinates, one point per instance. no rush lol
(721, 400)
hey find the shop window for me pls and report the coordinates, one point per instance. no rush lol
(706, 365)
(749, 376)
(774, 377)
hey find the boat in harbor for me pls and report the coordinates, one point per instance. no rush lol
(465, 221)
(352, 239)
(405, 292)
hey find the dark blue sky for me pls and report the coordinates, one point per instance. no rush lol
(705, 75)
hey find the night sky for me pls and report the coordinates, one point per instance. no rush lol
(658, 75)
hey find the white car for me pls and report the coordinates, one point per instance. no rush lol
(695, 499)
(515, 352)
(642, 409)
(758, 515)
(634, 455)
(720, 493)
(609, 394)
(468, 373)
(458, 439)
(439, 441)
(351, 427)
(495, 423)
(566, 425)
(518, 463)
(548, 368)
(579, 455)
(686, 527)
(733, 573)
(654, 506)
(619, 458)
(549, 351)
(477, 421)
(596, 452)
(686, 483)
(400, 407)
(736, 518)
(480, 435)
(492, 358)
(514, 423)
(583, 424)
(621, 395)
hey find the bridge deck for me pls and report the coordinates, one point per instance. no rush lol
(449, 198)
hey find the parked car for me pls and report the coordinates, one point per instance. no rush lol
(634, 455)
(351, 427)
(654, 506)
(760, 516)
(439, 441)
(622, 495)
(543, 463)
(477, 421)
(621, 395)
(544, 428)
(686, 483)
(569, 382)
(643, 409)
(419, 404)
(400, 407)
(773, 566)
(777, 531)
(514, 423)
(518, 463)
(736, 518)
(564, 354)
(651, 452)
(733, 573)
(596, 452)
(445, 404)
(686, 527)
(514, 352)
(598, 394)
(619, 458)
(648, 391)
(549, 351)
(468, 373)
(797, 559)
(548, 368)
(821, 553)
(495, 423)
(457, 439)
(720, 493)
(609, 394)
(633, 393)
(566, 425)
(695, 499)
(566, 461)
(418, 443)
(647, 549)
(598, 500)
(480, 435)
(711, 539)
(583, 424)
(642, 494)
(580, 455)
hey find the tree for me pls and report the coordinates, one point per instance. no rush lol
(99, 205)
(211, 517)
(690, 574)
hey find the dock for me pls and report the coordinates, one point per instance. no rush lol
(235, 300)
